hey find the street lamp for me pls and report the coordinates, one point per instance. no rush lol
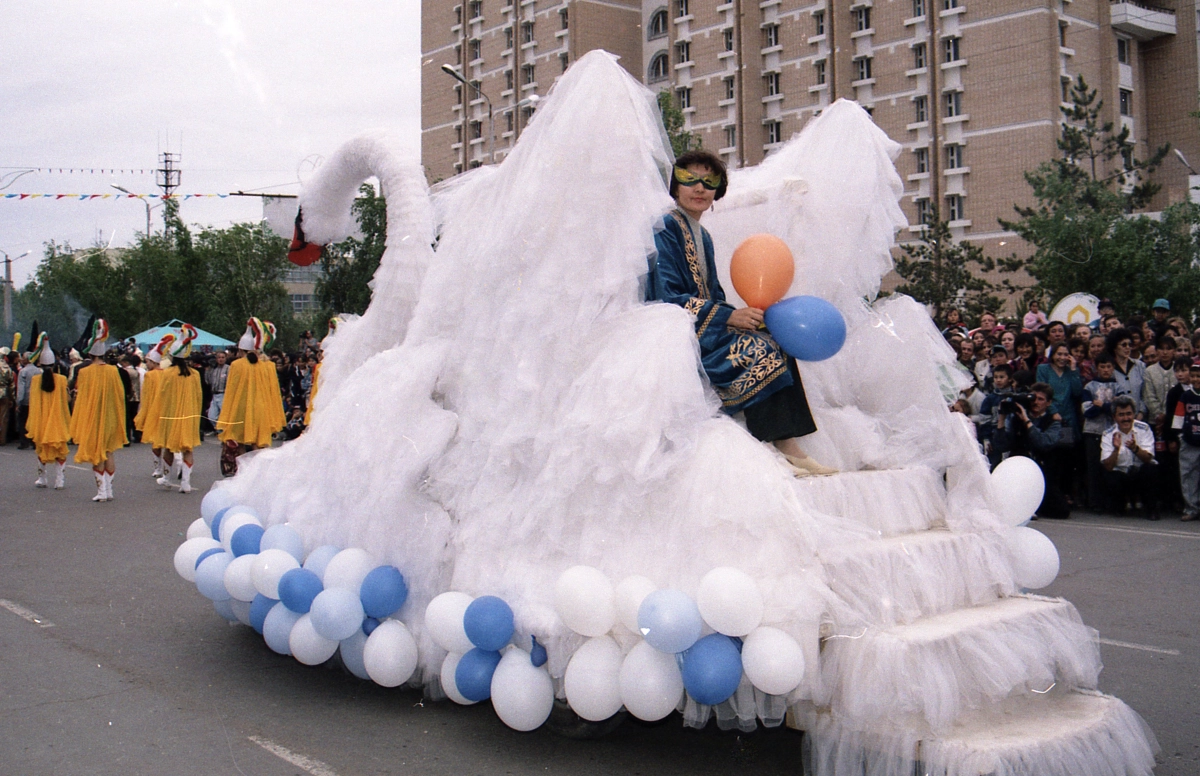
(450, 71)
(531, 101)
(144, 202)
(8, 287)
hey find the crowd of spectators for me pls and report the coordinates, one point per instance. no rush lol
(1106, 409)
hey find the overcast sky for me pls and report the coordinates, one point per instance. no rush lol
(246, 91)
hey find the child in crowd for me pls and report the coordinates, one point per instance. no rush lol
(1002, 386)
(1170, 435)
(1097, 416)
(1186, 420)
(295, 424)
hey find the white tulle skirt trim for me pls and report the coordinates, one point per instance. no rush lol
(891, 502)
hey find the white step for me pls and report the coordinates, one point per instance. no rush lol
(938, 668)
(1058, 734)
(893, 501)
(903, 578)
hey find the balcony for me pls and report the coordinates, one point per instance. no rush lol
(1141, 20)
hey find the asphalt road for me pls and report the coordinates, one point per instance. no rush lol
(111, 664)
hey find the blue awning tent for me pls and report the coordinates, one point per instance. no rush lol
(204, 340)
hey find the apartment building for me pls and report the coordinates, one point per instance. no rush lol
(972, 89)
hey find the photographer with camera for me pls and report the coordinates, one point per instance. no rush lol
(1026, 425)
(1127, 454)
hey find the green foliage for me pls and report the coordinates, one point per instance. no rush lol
(349, 265)
(942, 273)
(673, 122)
(244, 267)
(1082, 230)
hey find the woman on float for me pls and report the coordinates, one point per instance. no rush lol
(316, 372)
(180, 403)
(253, 408)
(748, 370)
(49, 416)
(98, 421)
(147, 418)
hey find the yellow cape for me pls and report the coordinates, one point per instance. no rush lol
(253, 408)
(180, 401)
(312, 394)
(49, 419)
(98, 423)
(147, 414)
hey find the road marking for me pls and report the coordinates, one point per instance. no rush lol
(315, 767)
(25, 614)
(1147, 532)
(1143, 647)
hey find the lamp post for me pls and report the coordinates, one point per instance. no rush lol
(450, 71)
(8, 288)
(531, 101)
(144, 202)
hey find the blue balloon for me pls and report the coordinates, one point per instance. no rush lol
(537, 653)
(225, 609)
(283, 537)
(319, 558)
(351, 650)
(369, 625)
(200, 558)
(474, 673)
(669, 620)
(383, 591)
(277, 628)
(259, 608)
(712, 669)
(488, 622)
(216, 522)
(246, 540)
(806, 327)
(298, 588)
(213, 502)
(336, 613)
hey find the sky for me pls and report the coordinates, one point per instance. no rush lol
(251, 94)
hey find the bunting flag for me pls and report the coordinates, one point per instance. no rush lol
(113, 196)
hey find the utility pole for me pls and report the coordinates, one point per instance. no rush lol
(168, 180)
(8, 282)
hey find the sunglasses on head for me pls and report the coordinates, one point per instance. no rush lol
(712, 181)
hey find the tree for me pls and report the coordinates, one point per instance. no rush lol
(245, 265)
(349, 265)
(673, 122)
(942, 273)
(1083, 230)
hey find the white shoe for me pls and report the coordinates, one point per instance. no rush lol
(185, 482)
(108, 493)
(60, 476)
(158, 468)
(40, 482)
(100, 490)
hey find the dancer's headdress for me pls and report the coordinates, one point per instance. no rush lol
(158, 351)
(42, 355)
(183, 346)
(97, 342)
(253, 338)
(268, 334)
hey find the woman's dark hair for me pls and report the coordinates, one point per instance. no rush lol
(709, 160)
(184, 369)
(251, 356)
(48, 379)
(1116, 337)
(1057, 346)
(1025, 338)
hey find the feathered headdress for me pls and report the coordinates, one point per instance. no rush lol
(183, 347)
(268, 334)
(97, 342)
(253, 338)
(158, 351)
(42, 355)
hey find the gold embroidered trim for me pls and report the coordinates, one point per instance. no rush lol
(707, 321)
(689, 252)
(762, 364)
(694, 305)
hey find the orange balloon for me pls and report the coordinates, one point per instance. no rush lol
(762, 269)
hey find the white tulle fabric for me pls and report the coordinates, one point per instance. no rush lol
(508, 408)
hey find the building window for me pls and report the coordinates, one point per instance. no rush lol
(527, 76)
(819, 23)
(458, 55)
(508, 121)
(948, 4)
(457, 167)
(954, 156)
(730, 136)
(924, 212)
(729, 88)
(660, 67)
(862, 19)
(1066, 90)
(919, 56)
(681, 8)
(458, 133)
(1126, 102)
(862, 68)
(658, 25)
(921, 109)
(683, 52)
(564, 61)
(774, 132)
(476, 130)
(953, 104)
(302, 303)
(1062, 34)
(770, 35)
(474, 47)
(562, 19)
(458, 14)
(475, 163)
(772, 84)
(918, 8)
(955, 210)
(508, 37)
(819, 65)
(683, 96)
(458, 97)
(508, 79)
(729, 40)
(922, 157)
(953, 54)
(1123, 51)
(527, 32)
(476, 9)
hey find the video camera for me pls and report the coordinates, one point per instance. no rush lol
(1008, 405)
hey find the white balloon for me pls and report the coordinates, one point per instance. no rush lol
(277, 628)
(1035, 558)
(336, 613)
(522, 695)
(390, 656)
(730, 601)
(198, 529)
(592, 681)
(189, 551)
(308, 646)
(210, 576)
(213, 502)
(318, 559)
(283, 537)
(444, 622)
(1018, 487)
(628, 596)
(239, 578)
(449, 666)
(583, 598)
(269, 566)
(773, 661)
(241, 610)
(347, 569)
(351, 652)
(651, 684)
(230, 523)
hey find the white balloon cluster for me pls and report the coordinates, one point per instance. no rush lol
(1017, 489)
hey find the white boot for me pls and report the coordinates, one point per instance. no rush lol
(60, 476)
(158, 467)
(40, 482)
(168, 470)
(100, 489)
(108, 479)
(185, 483)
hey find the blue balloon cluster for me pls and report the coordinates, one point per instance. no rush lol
(807, 327)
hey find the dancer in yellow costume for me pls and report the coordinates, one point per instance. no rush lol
(316, 371)
(181, 402)
(253, 408)
(147, 418)
(49, 416)
(98, 423)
